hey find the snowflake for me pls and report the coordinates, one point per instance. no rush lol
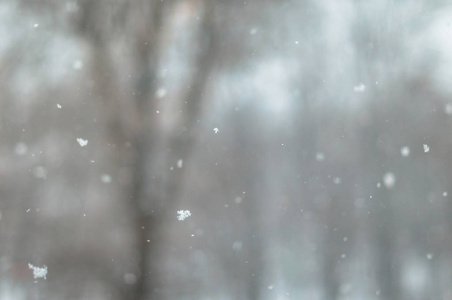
(105, 178)
(359, 88)
(180, 163)
(405, 151)
(448, 108)
(389, 180)
(77, 65)
(426, 148)
(38, 272)
(320, 156)
(161, 92)
(183, 214)
(82, 142)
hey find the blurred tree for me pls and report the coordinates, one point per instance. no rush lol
(134, 128)
(304, 191)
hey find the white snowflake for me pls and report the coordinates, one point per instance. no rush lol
(216, 130)
(82, 142)
(183, 214)
(40, 172)
(448, 108)
(38, 272)
(389, 180)
(426, 148)
(405, 151)
(21, 149)
(105, 178)
(320, 156)
(180, 163)
(77, 65)
(161, 92)
(359, 88)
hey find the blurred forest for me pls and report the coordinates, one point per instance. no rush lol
(310, 140)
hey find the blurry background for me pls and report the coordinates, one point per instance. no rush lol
(310, 140)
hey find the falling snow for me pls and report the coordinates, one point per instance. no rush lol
(320, 156)
(426, 148)
(183, 214)
(161, 92)
(77, 65)
(337, 180)
(389, 180)
(82, 142)
(216, 130)
(105, 178)
(20, 149)
(40, 172)
(448, 108)
(237, 246)
(38, 272)
(359, 88)
(130, 278)
(405, 151)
